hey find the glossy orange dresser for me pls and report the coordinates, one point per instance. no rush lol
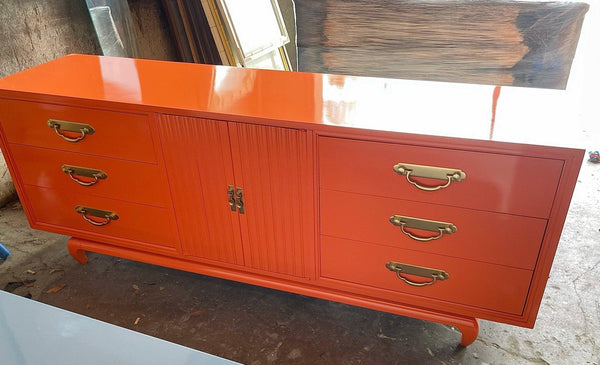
(395, 195)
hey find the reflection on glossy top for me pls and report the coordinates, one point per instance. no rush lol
(431, 108)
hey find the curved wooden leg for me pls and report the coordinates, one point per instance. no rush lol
(469, 329)
(76, 252)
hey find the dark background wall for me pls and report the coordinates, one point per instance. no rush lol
(36, 31)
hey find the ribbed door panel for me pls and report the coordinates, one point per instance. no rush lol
(198, 160)
(273, 166)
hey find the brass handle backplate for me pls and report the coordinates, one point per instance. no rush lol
(239, 198)
(231, 197)
(235, 199)
(433, 274)
(423, 224)
(60, 125)
(107, 215)
(439, 173)
(74, 171)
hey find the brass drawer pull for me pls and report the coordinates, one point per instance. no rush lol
(60, 125)
(107, 215)
(73, 171)
(439, 173)
(433, 274)
(424, 224)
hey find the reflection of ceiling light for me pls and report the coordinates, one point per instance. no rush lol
(121, 79)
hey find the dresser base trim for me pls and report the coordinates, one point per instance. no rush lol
(468, 326)
(75, 250)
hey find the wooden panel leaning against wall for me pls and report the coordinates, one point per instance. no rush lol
(203, 31)
(489, 42)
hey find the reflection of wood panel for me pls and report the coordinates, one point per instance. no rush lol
(491, 42)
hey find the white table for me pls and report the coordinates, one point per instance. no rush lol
(33, 333)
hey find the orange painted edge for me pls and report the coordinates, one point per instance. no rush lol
(558, 215)
(16, 176)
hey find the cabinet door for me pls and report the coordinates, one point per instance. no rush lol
(273, 166)
(198, 161)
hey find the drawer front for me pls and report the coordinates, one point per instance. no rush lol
(482, 236)
(493, 287)
(120, 135)
(142, 223)
(493, 182)
(125, 180)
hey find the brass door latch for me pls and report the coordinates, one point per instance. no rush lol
(231, 197)
(239, 197)
(235, 199)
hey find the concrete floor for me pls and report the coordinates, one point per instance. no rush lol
(254, 325)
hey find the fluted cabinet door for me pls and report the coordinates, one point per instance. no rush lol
(273, 166)
(198, 159)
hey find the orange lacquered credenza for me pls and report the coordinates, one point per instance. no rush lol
(393, 195)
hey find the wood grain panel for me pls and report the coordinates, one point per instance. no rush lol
(198, 162)
(191, 31)
(273, 166)
(491, 42)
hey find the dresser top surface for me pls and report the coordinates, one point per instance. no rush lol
(419, 107)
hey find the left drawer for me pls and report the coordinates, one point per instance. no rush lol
(115, 134)
(137, 224)
(121, 179)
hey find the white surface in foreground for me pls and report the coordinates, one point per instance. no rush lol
(33, 333)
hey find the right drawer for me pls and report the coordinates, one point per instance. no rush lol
(477, 235)
(120, 135)
(493, 182)
(477, 284)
